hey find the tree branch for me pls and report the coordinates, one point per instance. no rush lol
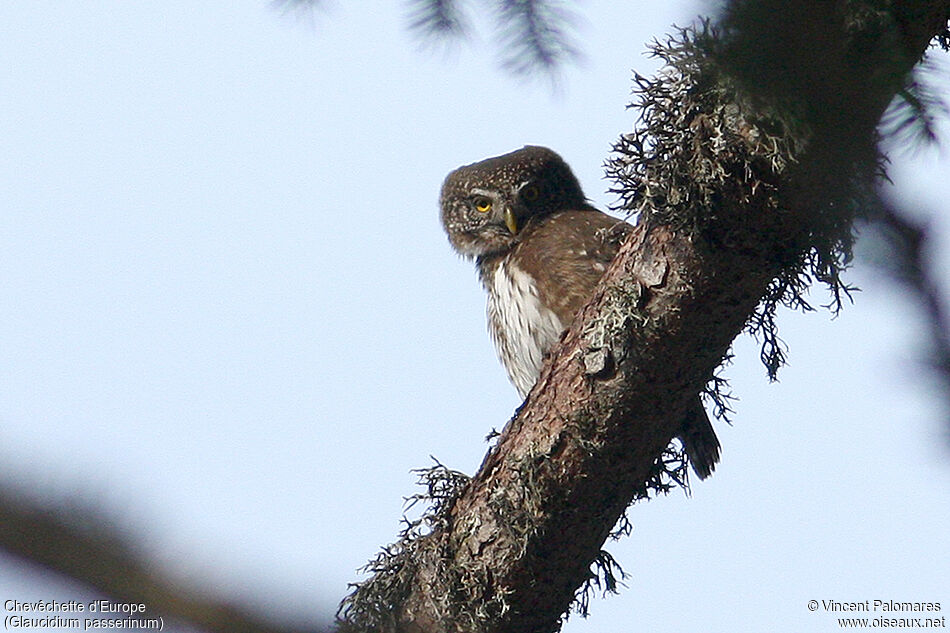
(906, 260)
(747, 192)
(82, 546)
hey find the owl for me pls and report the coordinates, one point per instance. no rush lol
(540, 248)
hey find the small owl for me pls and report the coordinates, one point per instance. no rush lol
(540, 250)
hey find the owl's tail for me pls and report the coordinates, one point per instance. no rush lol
(700, 441)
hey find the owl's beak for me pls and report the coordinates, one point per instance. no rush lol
(511, 221)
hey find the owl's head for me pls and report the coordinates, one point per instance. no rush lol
(486, 205)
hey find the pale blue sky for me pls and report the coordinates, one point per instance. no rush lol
(230, 316)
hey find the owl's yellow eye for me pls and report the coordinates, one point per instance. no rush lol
(482, 205)
(530, 193)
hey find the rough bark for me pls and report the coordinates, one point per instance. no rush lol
(510, 548)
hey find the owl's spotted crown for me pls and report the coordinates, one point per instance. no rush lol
(486, 204)
(530, 163)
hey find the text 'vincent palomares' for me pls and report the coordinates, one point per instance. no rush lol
(887, 606)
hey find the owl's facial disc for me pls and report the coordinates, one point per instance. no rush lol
(503, 209)
(485, 221)
(498, 209)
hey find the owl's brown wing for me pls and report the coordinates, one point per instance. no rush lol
(567, 253)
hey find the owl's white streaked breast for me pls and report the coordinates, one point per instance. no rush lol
(523, 329)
